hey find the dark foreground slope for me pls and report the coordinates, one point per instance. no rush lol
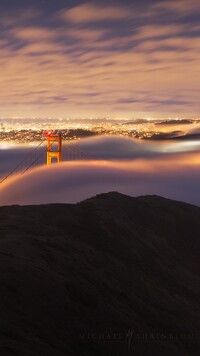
(112, 275)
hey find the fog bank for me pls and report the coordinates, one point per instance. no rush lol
(70, 182)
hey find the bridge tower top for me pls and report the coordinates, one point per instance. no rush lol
(54, 147)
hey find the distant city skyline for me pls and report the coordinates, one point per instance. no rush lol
(118, 59)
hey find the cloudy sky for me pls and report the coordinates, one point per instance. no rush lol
(117, 58)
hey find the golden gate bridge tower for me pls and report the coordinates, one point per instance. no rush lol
(54, 147)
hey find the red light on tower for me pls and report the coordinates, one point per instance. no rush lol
(48, 133)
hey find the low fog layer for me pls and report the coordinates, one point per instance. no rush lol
(116, 147)
(99, 147)
(69, 182)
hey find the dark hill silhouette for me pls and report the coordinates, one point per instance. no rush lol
(112, 275)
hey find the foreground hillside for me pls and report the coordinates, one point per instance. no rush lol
(112, 275)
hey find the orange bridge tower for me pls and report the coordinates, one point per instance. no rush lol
(54, 147)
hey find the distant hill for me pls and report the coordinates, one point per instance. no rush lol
(191, 136)
(174, 135)
(112, 275)
(175, 122)
(135, 122)
(165, 135)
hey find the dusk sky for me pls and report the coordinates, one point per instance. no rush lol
(94, 58)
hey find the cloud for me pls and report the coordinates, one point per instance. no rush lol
(102, 148)
(16, 16)
(180, 7)
(158, 31)
(137, 67)
(75, 181)
(87, 13)
(129, 166)
(124, 148)
(34, 34)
